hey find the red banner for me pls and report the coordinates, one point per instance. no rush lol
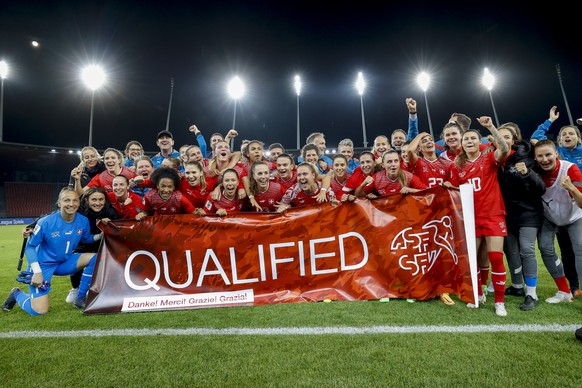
(400, 246)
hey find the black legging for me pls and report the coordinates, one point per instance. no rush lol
(76, 279)
(568, 258)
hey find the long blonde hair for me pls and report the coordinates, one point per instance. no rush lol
(401, 174)
(89, 148)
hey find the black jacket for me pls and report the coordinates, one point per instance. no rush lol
(88, 174)
(107, 212)
(521, 193)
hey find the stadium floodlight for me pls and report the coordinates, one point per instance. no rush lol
(94, 78)
(3, 75)
(360, 87)
(297, 85)
(423, 80)
(489, 81)
(3, 69)
(236, 89)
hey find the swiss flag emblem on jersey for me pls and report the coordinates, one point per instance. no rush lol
(79, 231)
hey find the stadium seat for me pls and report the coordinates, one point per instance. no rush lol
(30, 199)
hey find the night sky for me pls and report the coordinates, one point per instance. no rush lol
(201, 45)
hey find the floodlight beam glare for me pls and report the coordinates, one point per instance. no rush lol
(488, 79)
(93, 76)
(297, 85)
(423, 80)
(236, 88)
(3, 69)
(360, 84)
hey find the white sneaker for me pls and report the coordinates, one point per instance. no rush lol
(490, 288)
(73, 292)
(560, 296)
(481, 299)
(500, 309)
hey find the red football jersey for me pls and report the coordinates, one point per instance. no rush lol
(105, 179)
(482, 174)
(338, 187)
(196, 194)
(296, 197)
(287, 183)
(230, 205)
(176, 204)
(268, 200)
(432, 172)
(383, 185)
(355, 180)
(127, 209)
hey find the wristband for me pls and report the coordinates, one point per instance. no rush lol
(412, 113)
(35, 267)
(251, 196)
(323, 189)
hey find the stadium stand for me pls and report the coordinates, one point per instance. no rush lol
(25, 199)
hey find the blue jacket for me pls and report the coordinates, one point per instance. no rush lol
(571, 155)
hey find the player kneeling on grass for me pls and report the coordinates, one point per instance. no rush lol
(49, 252)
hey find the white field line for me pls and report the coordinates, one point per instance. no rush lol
(294, 331)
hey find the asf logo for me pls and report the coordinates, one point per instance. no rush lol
(417, 251)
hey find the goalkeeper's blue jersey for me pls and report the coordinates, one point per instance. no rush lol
(54, 239)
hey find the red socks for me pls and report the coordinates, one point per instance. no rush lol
(562, 284)
(498, 275)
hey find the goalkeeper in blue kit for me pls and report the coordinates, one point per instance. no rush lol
(50, 252)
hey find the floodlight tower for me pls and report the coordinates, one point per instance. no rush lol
(423, 80)
(360, 87)
(489, 81)
(94, 78)
(236, 89)
(297, 85)
(3, 75)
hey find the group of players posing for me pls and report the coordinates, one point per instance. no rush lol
(521, 193)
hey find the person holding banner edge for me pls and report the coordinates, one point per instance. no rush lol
(480, 169)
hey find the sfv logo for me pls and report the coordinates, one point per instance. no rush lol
(435, 239)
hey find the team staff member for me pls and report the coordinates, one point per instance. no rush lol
(96, 206)
(522, 189)
(165, 141)
(562, 208)
(50, 252)
(133, 150)
(90, 166)
(570, 149)
(346, 148)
